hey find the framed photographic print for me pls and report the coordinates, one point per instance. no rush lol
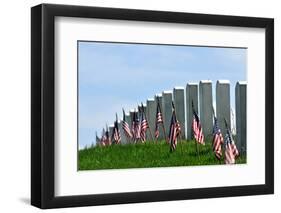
(139, 106)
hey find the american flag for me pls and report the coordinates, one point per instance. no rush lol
(136, 126)
(103, 138)
(144, 124)
(197, 128)
(175, 130)
(159, 119)
(126, 127)
(231, 151)
(116, 133)
(107, 137)
(217, 139)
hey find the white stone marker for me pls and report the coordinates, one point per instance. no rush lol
(223, 104)
(191, 95)
(150, 112)
(178, 97)
(206, 107)
(241, 116)
(131, 117)
(167, 97)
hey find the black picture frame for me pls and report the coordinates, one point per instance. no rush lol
(43, 102)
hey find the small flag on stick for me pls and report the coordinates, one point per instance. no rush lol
(217, 139)
(231, 151)
(136, 126)
(197, 128)
(116, 137)
(175, 130)
(105, 139)
(126, 127)
(144, 124)
(159, 119)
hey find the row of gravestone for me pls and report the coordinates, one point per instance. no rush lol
(202, 98)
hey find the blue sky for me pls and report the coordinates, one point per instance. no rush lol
(116, 75)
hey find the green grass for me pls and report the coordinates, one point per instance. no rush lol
(148, 155)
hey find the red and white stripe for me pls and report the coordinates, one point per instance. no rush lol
(231, 151)
(217, 140)
(136, 127)
(217, 145)
(137, 130)
(116, 135)
(158, 120)
(198, 131)
(229, 156)
(234, 150)
(175, 130)
(144, 127)
(126, 129)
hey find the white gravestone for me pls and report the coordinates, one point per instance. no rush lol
(178, 97)
(206, 107)
(241, 116)
(223, 104)
(191, 96)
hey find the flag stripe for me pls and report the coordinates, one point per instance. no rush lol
(197, 129)
(158, 120)
(217, 140)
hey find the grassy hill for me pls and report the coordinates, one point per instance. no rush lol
(147, 155)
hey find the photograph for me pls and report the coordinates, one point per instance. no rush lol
(149, 105)
(146, 105)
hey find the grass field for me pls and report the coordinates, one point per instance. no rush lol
(148, 155)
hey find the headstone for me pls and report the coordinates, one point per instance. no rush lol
(178, 97)
(161, 132)
(167, 109)
(223, 104)
(191, 95)
(150, 112)
(206, 107)
(131, 116)
(241, 116)
(144, 108)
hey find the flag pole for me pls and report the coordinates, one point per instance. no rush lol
(180, 136)
(145, 117)
(156, 139)
(116, 126)
(135, 119)
(164, 131)
(124, 120)
(197, 149)
(108, 139)
(163, 127)
(96, 137)
(214, 116)
(196, 143)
